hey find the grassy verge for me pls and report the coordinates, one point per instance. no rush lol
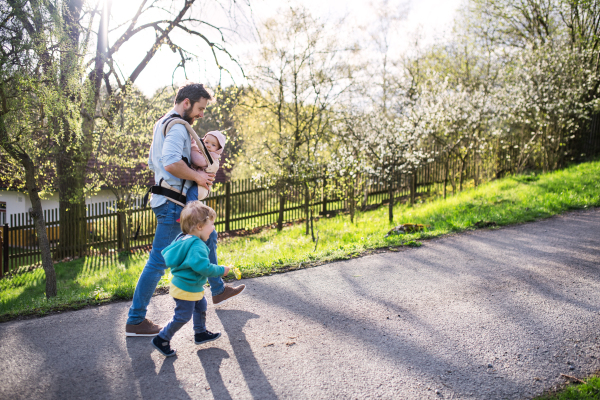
(81, 282)
(507, 201)
(590, 389)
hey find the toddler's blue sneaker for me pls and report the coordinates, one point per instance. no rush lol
(205, 337)
(163, 346)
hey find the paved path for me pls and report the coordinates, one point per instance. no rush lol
(490, 314)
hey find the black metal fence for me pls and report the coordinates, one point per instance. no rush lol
(103, 234)
(242, 204)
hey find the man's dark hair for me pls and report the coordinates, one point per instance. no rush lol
(194, 92)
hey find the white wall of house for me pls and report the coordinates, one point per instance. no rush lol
(17, 202)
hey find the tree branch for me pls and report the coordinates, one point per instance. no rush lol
(127, 34)
(138, 70)
(212, 48)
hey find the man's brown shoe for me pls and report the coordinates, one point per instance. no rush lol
(227, 294)
(144, 328)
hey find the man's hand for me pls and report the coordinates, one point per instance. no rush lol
(180, 170)
(204, 179)
(226, 271)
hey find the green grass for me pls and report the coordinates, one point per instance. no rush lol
(90, 280)
(506, 201)
(588, 390)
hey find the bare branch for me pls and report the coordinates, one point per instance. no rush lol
(212, 48)
(159, 41)
(127, 34)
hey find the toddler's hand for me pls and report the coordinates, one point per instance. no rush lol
(227, 269)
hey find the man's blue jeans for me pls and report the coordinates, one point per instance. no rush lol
(183, 313)
(167, 230)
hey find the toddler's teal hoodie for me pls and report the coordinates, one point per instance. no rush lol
(187, 257)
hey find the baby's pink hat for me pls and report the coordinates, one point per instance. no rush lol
(220, 137)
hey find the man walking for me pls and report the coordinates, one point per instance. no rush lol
(168, 159)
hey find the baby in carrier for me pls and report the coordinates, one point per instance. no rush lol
(214, 142)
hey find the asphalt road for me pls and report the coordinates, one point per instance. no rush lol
(490, 314)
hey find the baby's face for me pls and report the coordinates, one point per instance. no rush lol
(211, 142)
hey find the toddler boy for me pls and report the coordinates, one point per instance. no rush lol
(188, 259)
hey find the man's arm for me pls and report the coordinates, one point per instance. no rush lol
(180, 170)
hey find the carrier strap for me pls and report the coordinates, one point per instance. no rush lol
(176, 119)
(176, 197)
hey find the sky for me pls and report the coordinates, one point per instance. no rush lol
(431, 19)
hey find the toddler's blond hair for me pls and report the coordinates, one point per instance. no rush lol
(195, 213)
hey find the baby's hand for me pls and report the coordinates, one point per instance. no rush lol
(227, 269)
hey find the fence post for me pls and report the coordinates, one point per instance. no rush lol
(413, 186)
(5, 250)
(2, 255)
(324, 209)
(120, 230)
(227, 204)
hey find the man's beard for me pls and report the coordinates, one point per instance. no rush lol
(186, 115)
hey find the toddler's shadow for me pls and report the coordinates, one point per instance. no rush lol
(150, 382)
(211, 360)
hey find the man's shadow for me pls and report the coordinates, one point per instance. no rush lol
(233, 322)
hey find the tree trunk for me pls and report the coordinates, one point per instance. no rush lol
(71, 209)
(71, 159)
(76, 149)
(391, 205)
(40, 227)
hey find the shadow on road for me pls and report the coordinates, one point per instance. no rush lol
(211, 362)
(152, 383)
(233, 322)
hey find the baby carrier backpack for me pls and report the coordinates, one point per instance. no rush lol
(163, 188)
(168, 124)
